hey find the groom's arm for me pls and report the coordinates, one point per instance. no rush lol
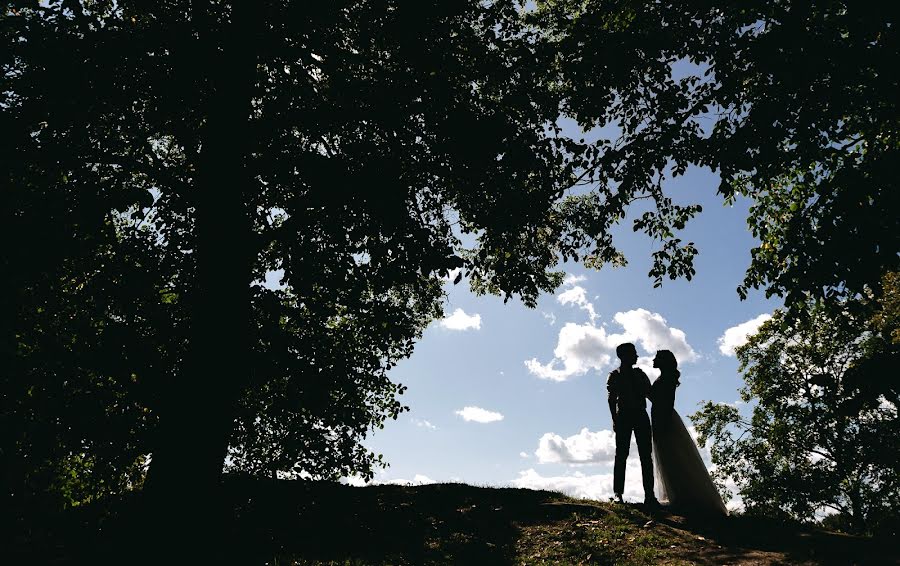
(645, 383)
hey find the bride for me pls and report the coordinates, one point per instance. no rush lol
(681, 477)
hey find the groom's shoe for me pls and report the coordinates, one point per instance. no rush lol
(651, 502)
(617, 498)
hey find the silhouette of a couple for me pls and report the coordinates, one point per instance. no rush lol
(682, 479)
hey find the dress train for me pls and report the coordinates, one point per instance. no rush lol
(681, 477)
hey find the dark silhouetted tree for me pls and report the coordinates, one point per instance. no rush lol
(823, 431)
(792, 103)
(169, 156)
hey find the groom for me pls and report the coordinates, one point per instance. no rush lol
(628, 388)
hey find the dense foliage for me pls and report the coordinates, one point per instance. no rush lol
(823, 434)
(793, 103)
(170, 156)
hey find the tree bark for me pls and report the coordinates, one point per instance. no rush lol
(195, 425)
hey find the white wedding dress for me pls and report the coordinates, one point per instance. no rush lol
(681, 478)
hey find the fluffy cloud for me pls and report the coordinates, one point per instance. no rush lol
(586, 447)
(598, 448)
(577, 296)
(652, 332)
(580, 347)
(459, 320)
(572, 279)
(597, 486)
(600, 486)
(737, 336)
(479, 415)
(583, 347)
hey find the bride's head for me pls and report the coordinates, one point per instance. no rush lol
(665, 361)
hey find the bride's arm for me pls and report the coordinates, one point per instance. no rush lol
(666, 397)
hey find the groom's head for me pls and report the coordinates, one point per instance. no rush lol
(627, 354)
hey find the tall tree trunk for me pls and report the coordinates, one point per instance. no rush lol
(185, 471)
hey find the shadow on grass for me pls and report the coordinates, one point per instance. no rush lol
(303, 522)
(740, 538)
(441, 523)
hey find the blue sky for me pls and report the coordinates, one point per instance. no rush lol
(556, 432)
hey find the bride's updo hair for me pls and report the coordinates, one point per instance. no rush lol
(668, 364)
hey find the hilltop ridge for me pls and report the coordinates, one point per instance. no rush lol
(305, 522)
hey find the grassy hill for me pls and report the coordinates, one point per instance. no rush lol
(284, 523)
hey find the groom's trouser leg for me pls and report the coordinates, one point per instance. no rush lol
(643, 437)
(623, 443)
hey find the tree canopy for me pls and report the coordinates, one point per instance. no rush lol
(368, 140)
(822, 436)
(792, 103)
(171, 156)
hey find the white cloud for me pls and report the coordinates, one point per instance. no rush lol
(423, 423)
(550, 317)
(598, 448)
(737, 336)
(479, 415)
(653, 333)
(577, 296)
(459, 320)
(597, 486)
(418, 479)
(355, 481)
(586, 447)
(580, 347)
(645, 364)
(523, 454)
(583, 347)
(572, 279)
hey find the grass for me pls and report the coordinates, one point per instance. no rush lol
(288, 523)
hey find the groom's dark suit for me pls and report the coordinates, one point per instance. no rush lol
(628, 389)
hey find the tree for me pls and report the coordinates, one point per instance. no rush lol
(823, 431)
(178, 152)
(319, 379)
(365, 149)
(104, 300)
(792, 103)
(95, 345)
